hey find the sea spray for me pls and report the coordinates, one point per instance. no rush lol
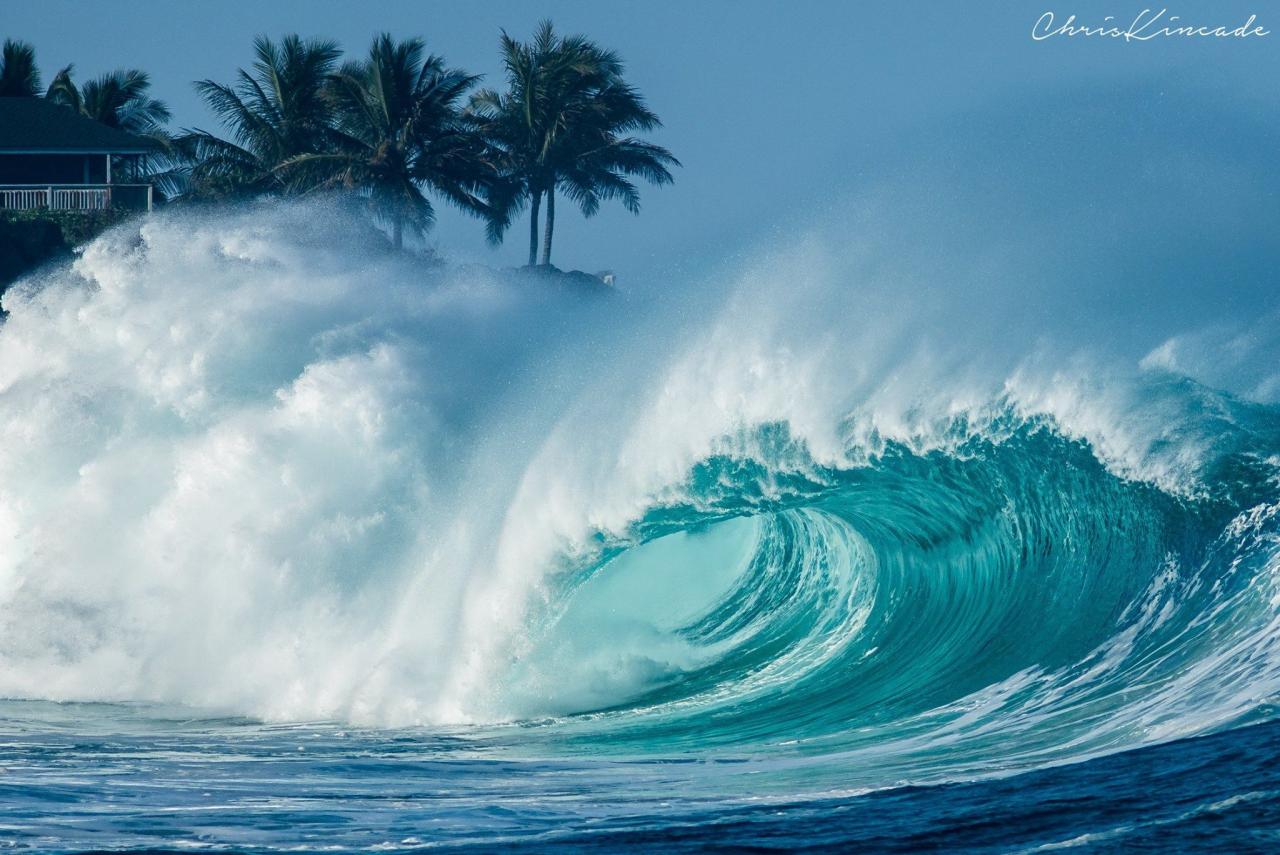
(881, 507)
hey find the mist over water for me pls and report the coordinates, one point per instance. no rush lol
(979, 468)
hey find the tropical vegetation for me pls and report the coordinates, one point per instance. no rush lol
(398, 131)
(396, 134)
(19, 75)
(274, 111)
(564, 125)
(120, 98)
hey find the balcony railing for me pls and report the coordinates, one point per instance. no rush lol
(75, 197)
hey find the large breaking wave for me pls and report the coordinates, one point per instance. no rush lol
(963, 503)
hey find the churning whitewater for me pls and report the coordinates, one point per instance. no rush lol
(818, 508)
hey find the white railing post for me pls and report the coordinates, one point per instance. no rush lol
(48, 198)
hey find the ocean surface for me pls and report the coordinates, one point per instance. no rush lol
(853, 538)
(83, 777)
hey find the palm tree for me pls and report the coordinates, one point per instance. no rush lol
(276, 111)
(19, 76)
(564, 125)
(118, 99)
(397, 134)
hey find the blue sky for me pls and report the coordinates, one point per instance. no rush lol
(776, 109)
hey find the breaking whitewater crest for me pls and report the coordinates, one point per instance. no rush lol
(247, 466)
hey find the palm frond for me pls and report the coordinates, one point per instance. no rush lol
(565, 123)
(19, 74)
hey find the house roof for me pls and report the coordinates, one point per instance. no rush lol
(37, 126)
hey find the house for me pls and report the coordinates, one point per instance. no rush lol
(54, 158)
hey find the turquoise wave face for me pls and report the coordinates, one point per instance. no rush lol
(826, 546)
(916, 617)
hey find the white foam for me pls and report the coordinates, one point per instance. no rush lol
(248, 462)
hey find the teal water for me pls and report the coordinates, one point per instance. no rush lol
(819, 667)
(308, 546)
(128, 778)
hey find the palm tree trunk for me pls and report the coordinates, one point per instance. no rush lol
(551, 224)
(533, 227)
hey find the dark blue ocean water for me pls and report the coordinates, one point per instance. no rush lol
(998, 648)
(81, 777)
(794, 586)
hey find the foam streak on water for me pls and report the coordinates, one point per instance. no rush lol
(826, 520)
